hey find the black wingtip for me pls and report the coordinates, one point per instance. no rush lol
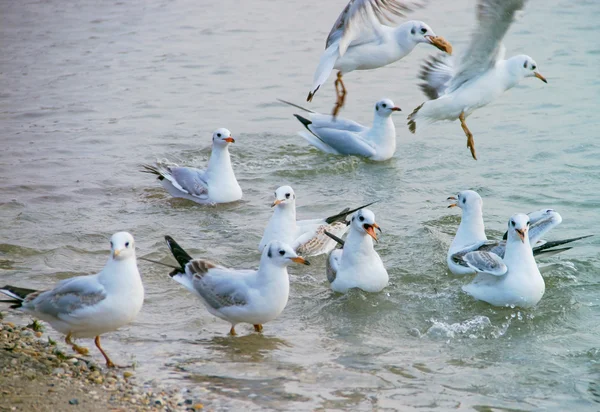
(334, 237)
(146, 168)
(342, 215)
(305, 122)
(555, 243)
(412, 124)
(180, 255)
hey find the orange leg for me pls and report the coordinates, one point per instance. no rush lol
(109, 363)
(340, 91)
(79, 349)
(470, 141)
(232, 331)
(258, 328)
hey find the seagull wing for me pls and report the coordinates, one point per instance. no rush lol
(494, 17)
(360, 21)
(189, 180)
(486, 262)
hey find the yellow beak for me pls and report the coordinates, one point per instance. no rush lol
(521, 234)
(117, 252)
(275, 203)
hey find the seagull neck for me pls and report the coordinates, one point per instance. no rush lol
(219, 163)
(509, 74)
(471, 229)
(267, 270)
(358, 242)
(128, 276)
(518, 252)
(287, 213)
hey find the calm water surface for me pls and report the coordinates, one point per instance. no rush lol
(89, 90)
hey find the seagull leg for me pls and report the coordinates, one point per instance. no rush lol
(109, 363)
(258, 328)
(79, 349)
(470, 141)
(232, 331)
(340, 91)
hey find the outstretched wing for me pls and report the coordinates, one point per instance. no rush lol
(437, 72)
(494, 17)
(360, 20)
(486, 262)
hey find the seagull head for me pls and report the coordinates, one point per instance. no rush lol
(385, 107)
(525, 66)
(467, 200)
(284, 195)
(222, 137)
(281, 254)
(363, 221)
(420, 32)
(122, 246)
(518, 226)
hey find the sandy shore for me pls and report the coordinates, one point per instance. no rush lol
(41, 375)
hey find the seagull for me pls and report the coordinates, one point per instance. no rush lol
(239, 296)
(456, 89)
(361, 40)
(511, 280)
(215, 184)
(356, 264)
(470, 235)
(89, 306)
(345, 137)
(306, 237)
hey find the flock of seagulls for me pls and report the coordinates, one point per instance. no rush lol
(505, 270)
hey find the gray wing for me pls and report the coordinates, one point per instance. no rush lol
(189, 180)
(333, 263)
(437, 72)
(343, 141)
(69, 296)
(360, 20)
(489, 246)
(221, 287)
(494, 18)
(327, 121)
(486, 262)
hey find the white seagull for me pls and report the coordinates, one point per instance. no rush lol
(306, 237)
(239, 296)
(360, 39)
(216, 184)
(89, 306)
(471, 236)
(340, 136)
(357, 264)
(512, 280)
(457, 89)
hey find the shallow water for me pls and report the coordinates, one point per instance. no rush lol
(90, 91)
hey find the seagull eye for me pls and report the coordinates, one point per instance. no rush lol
(512, 222)
(126, 244)
(282, 252)
(423, 30)
(384, 105)
(533, 67)
(218, 134)
(362, 219)
(525, 64)
(287, 195)
(464, 200)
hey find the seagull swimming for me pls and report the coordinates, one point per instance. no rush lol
(340, 136)
(361, 40)
(89, 306)
(470, 235)
(239, 296)
(216, 184)
(306, 237)
(512, 280)
(357, 264)
(457, 89)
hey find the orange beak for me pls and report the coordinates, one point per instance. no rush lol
(521, 234)
(370, 229)
(301, 260)
(440, 43)
(276, 202)
(396, 109)
(230, 139)
(539, 76)
(452, 204)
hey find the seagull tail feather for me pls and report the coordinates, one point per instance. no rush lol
(180, 255)
(16, 294)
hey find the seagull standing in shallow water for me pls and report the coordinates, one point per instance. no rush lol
(480, 77)
(239, 296)
(361, 40)
(340, 136)
(216, 184)
(89, 306)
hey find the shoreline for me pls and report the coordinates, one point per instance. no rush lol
(42, 375)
